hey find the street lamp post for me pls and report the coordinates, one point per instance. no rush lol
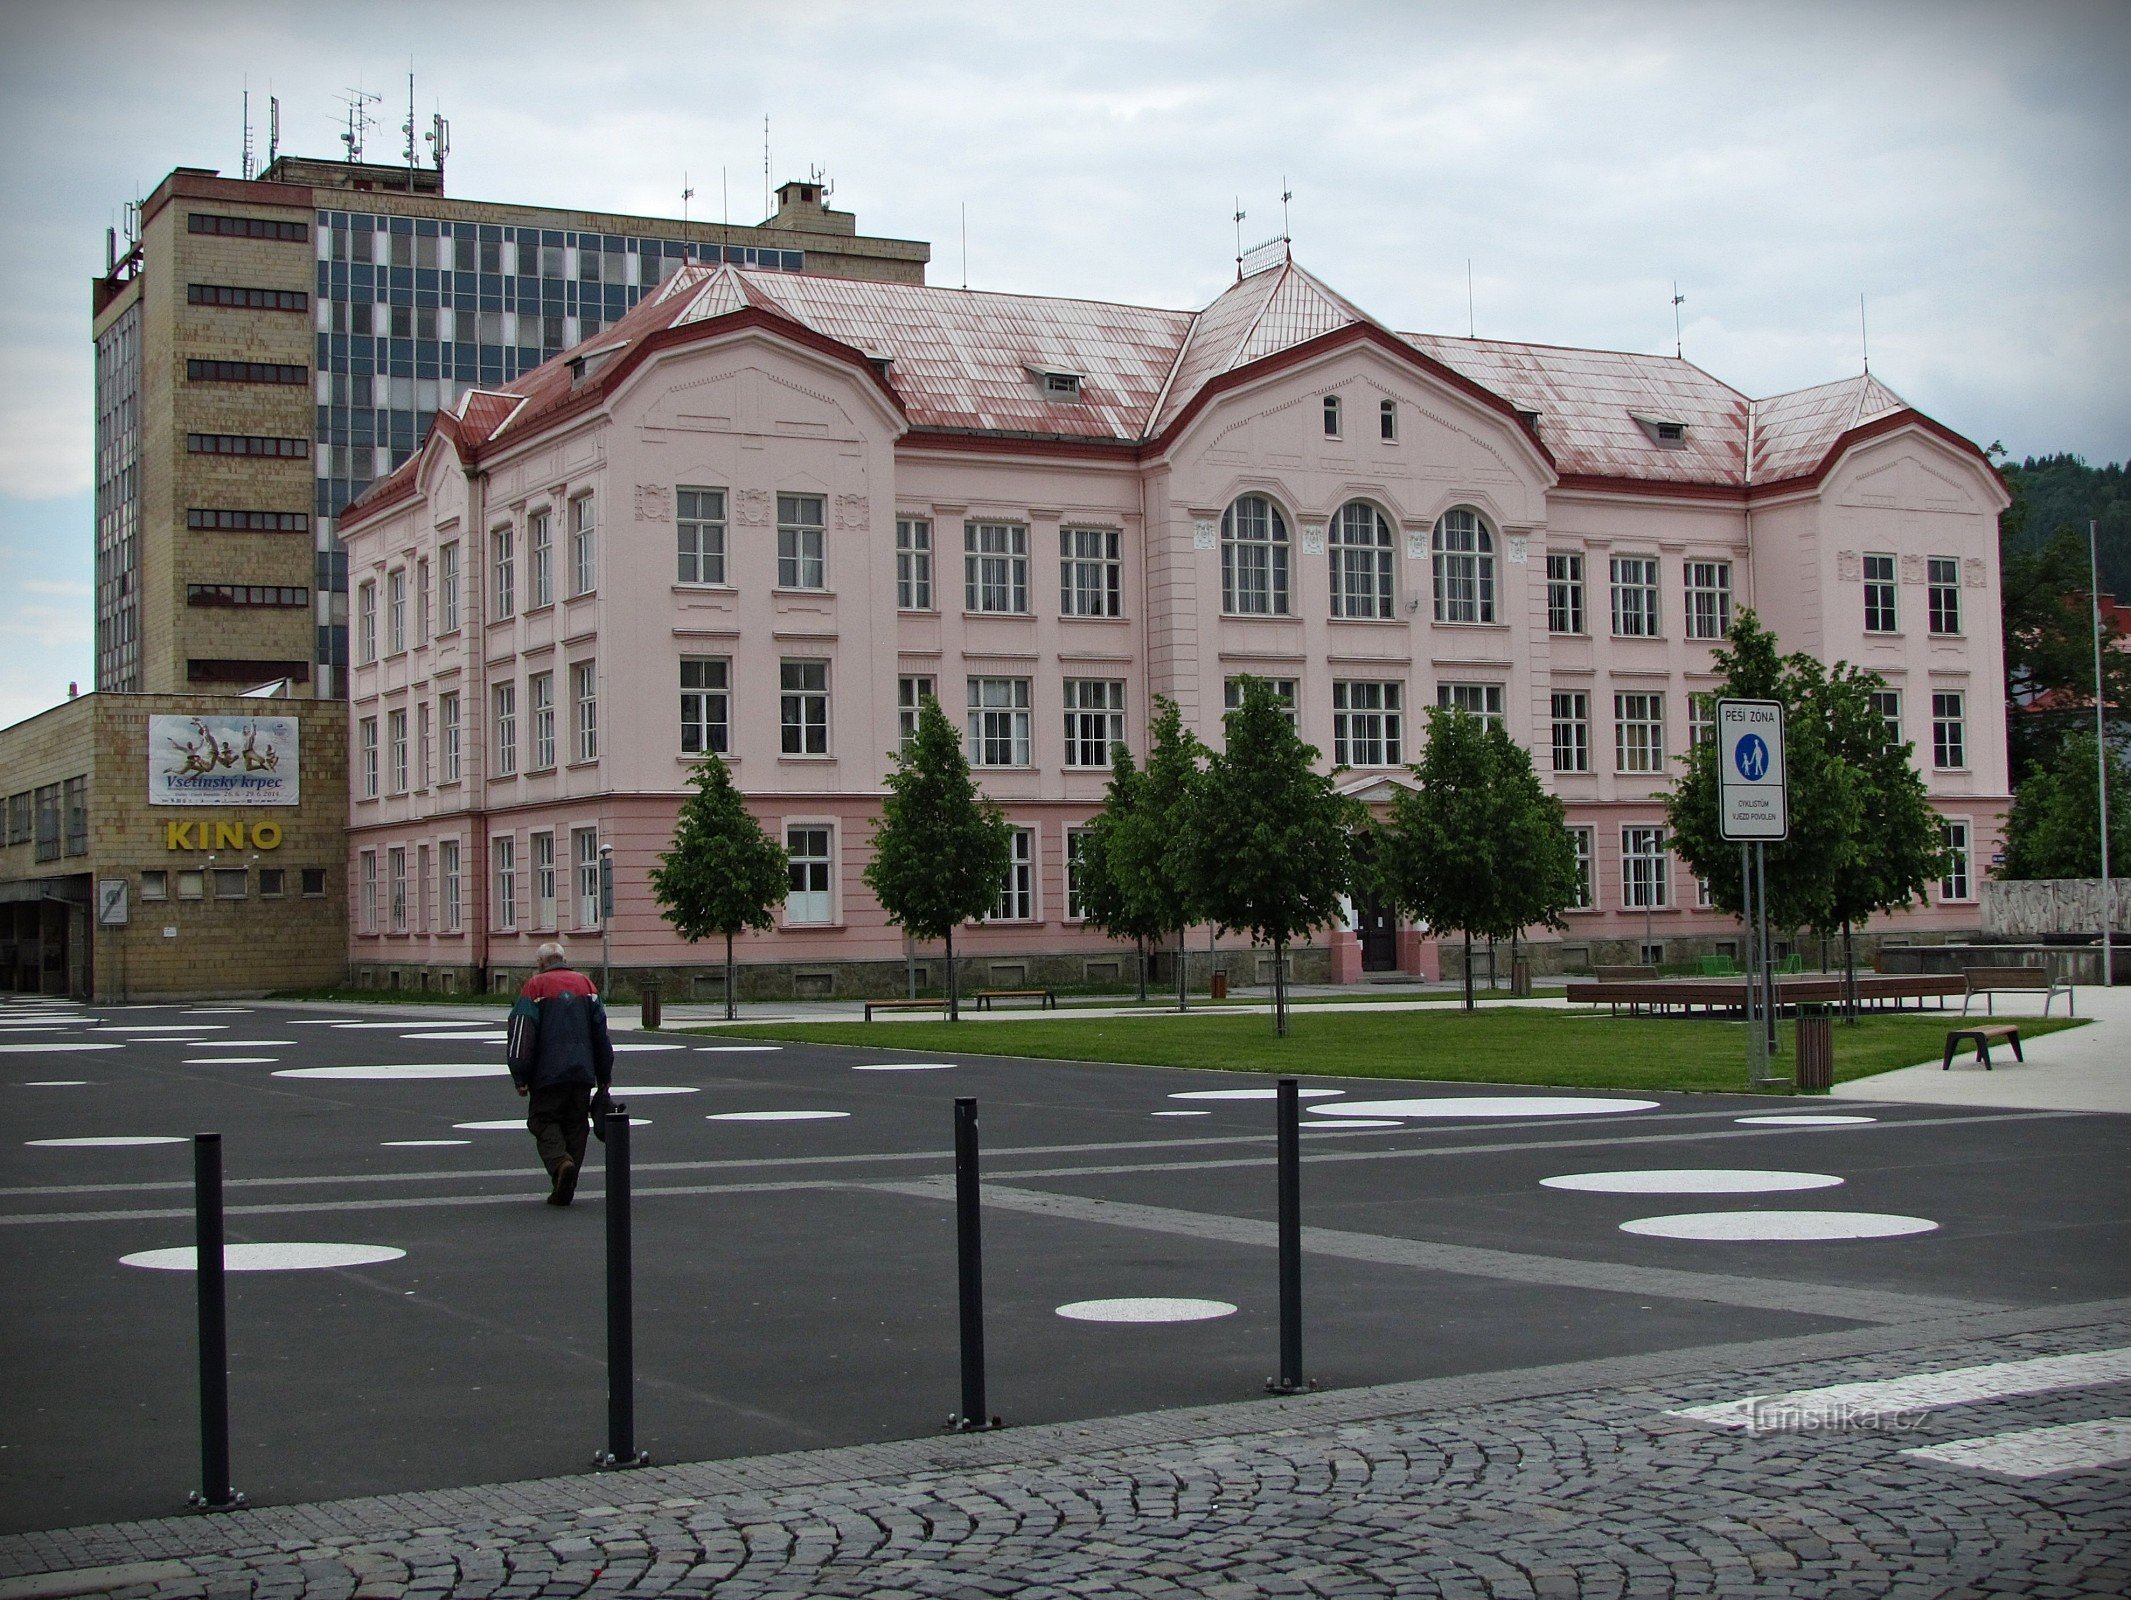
(606, 913)
(2101, 746)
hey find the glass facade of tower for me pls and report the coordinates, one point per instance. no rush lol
(118, 504)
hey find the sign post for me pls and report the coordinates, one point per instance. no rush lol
(1753, 805)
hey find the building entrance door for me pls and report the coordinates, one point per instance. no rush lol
(1377, 929)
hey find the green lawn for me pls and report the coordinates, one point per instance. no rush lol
(1571, 1050)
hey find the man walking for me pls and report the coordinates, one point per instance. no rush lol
(559, 1053)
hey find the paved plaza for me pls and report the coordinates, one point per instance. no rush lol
(1568, 1345)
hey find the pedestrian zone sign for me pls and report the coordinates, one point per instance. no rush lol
(1752, 801)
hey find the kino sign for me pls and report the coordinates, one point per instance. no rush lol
(1751, 800)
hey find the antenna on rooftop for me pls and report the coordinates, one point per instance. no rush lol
(1864, 337)
(1678, 300)
(765, 164)
(273, 129)
(965, 244)
(250, 169)
(407, 128)
(1469, 333)
(360, 122)
(1240, 215)
(438, 139)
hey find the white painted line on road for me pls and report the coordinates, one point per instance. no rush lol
(631, 1091)
(2038, 1452)
(1180, 1113)
(422, 1144)
(1481, 1106)
(266, 1257)
(508, 1124)
(906, 1066)
(642, 1047)
(1147, 1309)
(1691, 1180)
(1788, 1227)
(1251, 1094)
(166, 1027)
(231, 1061)
(472, 1038)
(1876, 1400)
(413, 1069)
(57, 1083)
(1347, 1125)
(39, 1049)
(229, 1044)
(1809, 1120)
(415, 1022)
(736, 1049)
(108, 1140)
(773, 1116)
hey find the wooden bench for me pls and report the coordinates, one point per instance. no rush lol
(903, 1005)
(1624, 975)
(1981, 1036)
(1989, 981)
(1046, 1000)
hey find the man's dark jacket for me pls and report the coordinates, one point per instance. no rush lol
(558, 1033)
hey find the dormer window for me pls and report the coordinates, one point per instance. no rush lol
(1667, 433)
(1056, 383)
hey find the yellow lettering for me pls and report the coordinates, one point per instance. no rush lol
(266, 835)
(178, 836)
(228, 835)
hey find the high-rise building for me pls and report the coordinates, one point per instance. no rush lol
(266, 348)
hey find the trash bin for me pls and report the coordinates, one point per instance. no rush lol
(649, 995)
(1220, 986)
(1816, 1049)
(1520, 978)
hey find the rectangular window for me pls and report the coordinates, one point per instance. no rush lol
(269, 372)
(223, 520)
(248, 444)
(802, 543)
(1645, 876)
(448, 588)
(540, 701)
(913, 564)
(1708, 599)
(396, 884)
(803, 707)
(155, 885)
(448, 736)
(396, 610)
(448, 883)
(228, 227)
(287, 596)
(421, 745)
(584, 546)
(424, 909)
(1880, 613)
(543, 880)
(1091, 580)
(1955, 884)
(396, 748)
(1949, 731)
(501, 549)
(1638, 733)
(584, 857)
(1945, 594)
(366, 623)
(1387, 421)
(1284, 690)
(706, 705)
(1366, 729)
(699, 524)
(1076, 843)
(1017, 894)
(910, 697)
(366, 741)
(1635, 597)
(809, 897)
(995, 567)
(1482, 700)
(366, 903)
(539, 561)
(74, 810)
(999, 722)
(421, 601)
(584, 694)
(1888, 703)
(192, 885)
(48, 821)
(1701, 718)
(1331, 416)
(506, 729)
(18, 817)
(1572, 731)
(505, 857)
(1580, 841)
(243, 299)
(1094, 720)
(1564, 594)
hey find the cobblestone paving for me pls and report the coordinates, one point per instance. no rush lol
(1567, 1483)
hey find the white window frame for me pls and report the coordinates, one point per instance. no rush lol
(1958, 885)
(1572, 730)
(1286, 690)
(1888, 703)
(706, 705)
(1076, 843)
(1360, 545)
(995, 568)
(1708, 598)
(1462, 551)
(448, 883)
(699, 535)
(396, 611)
(539, 560)
(584, 546)
(366, 902)
(1334, 417)
(448, 587)
(913, 564)
(1645, 868)
(584, 863)
(503, 580)
(366, 623)
(421, 601)
(1639, 732)
(802, 542)
(396, 748)
(1564, 593)
(584, 686)
(1090, 572)
(1256, 558)
(1094, 720)
(1584, 848)
(1949, 730)
(1481, 700)
(911, 693)
(366, 744)
(1701, 718)
(1000, 722)
(810, 895)
(544, 880)
(1017, 891)
(1635, 597)
(1883, 613)
(503, 864)
(1942, 576)
(395, 888)
(448, 760)
(803, 707)
(422, 760)
(540, 714)
(504, 700)
(1387, 421)
(1368, 722)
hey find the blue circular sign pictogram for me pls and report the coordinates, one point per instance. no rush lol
(1750, 756)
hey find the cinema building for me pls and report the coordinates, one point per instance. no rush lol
(763, 515)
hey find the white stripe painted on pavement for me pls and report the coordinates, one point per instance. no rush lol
(1874, 1403)
(2038, 1452)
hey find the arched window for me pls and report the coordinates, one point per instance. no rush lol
(1464, 568)
(1361, 561)
(1254, 558)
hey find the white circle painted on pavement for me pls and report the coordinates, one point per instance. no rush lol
(236, 1044)
(773, 1116)
(736, 1049)
(166, 1027)
(906, 1066)
(1156, 1308)
(1180, 1113)
(1742, 1226)
(1251, 1094)
(266, 1257)
(471, 1038)
(618, 1049)
(417, 1069)
(40, 1049)
(1811, 1120)
(1691, 1180)
(231, 1061)
(107, 1140)
(426, 1144)
(508, 1124)
(1504, 1106)
(1349, 1125)
(57, 1083)
(632, 1091)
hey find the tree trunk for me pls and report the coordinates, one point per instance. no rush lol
(1280, 987)
(1468, 971)
(954, 989)
(729, 1013)
(1139, 960)
(1183, 998)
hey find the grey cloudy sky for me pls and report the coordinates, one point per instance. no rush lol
(1960, 165)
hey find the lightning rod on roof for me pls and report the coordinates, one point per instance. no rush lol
(273, 128)
(1678, 300)
(1286, 194)
(1864, 338)
(1240, 215)
(250, 168)
(965, 244)
(1469, 333)
(687, 194)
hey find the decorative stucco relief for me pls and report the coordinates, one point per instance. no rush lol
(1313, 538)
(1515, 546)
(1416, 544)
(751, 508)
(1848, 569)
(851, 511)
(1205, 534)
(654, 503)
(1975, 573)
(1912, 569)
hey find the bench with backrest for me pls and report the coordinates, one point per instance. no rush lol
(1045, 999)
(1991, 981)
(1625, 975)
(903, 1005)
(1981, 1036)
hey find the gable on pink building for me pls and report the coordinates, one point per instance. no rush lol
(763, 516)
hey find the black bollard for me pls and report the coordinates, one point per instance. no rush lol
(1287, 1121)
(621, 1448)
(969, 1273)
(214, 1493)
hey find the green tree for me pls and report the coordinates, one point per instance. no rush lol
(940, 847)
(723, 874)
(1148, 852)
(1106, 898)
(1272, 848)
(2049, 648)
(2054, 830)
(1479, 848)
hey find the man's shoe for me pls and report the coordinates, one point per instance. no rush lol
(565, 1189)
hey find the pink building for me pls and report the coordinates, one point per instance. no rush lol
(763, 514)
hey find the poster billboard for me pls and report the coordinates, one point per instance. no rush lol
(216, 760)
